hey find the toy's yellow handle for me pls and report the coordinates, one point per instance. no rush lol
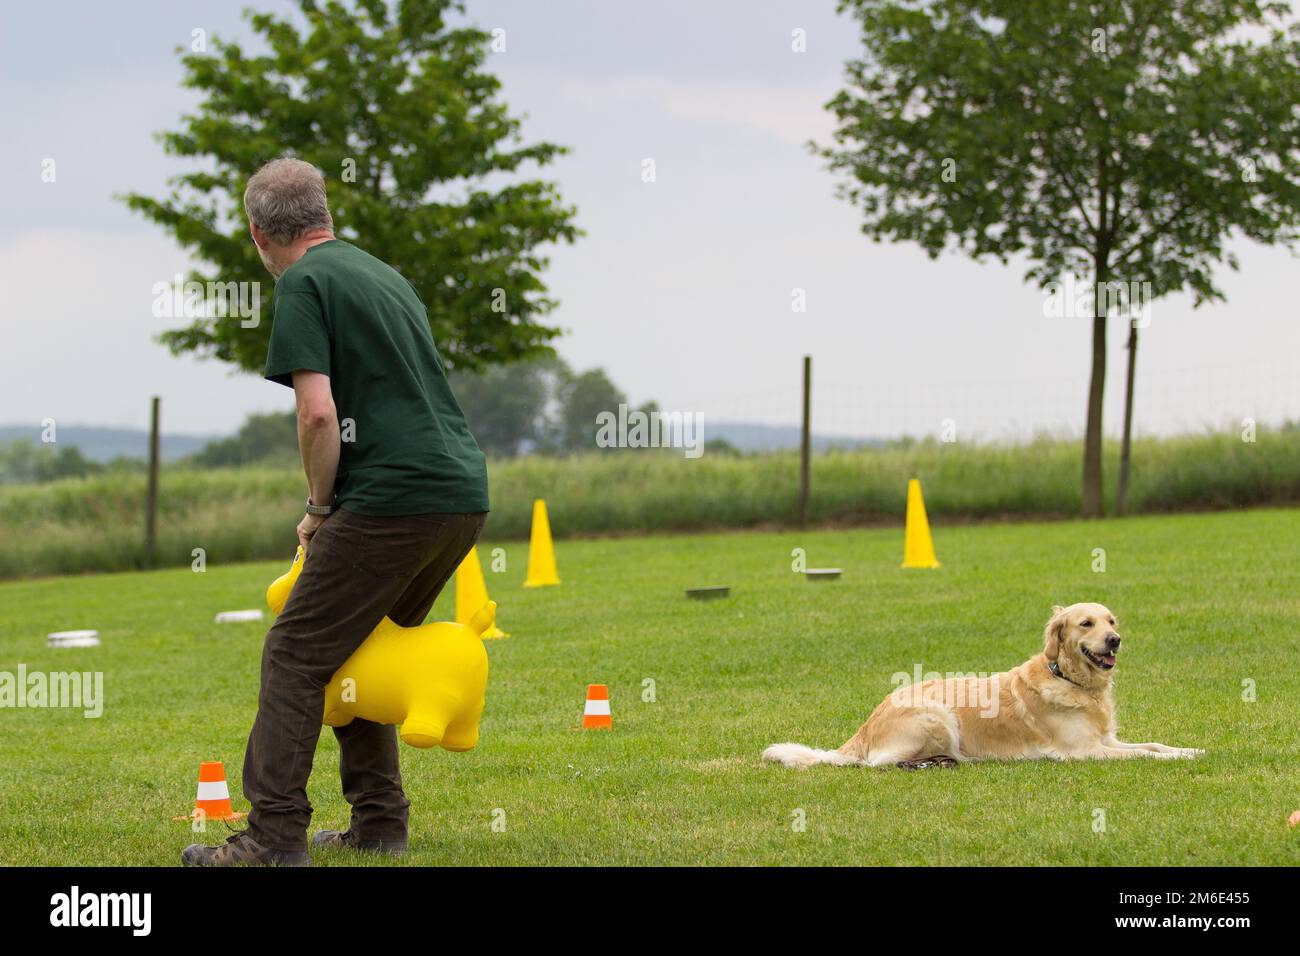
(277, 595)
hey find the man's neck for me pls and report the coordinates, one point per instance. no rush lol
(303, 243)
(314, 239)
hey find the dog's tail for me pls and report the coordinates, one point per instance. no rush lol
(801, 757)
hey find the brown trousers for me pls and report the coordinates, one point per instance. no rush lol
(359, 569)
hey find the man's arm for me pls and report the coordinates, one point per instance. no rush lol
(318, 442)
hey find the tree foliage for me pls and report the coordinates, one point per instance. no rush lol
(508, 407)
(23, 461)
(422, 162)
(261, 439)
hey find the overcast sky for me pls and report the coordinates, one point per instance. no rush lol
(682, 287)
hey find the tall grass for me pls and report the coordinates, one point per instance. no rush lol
(96, 524)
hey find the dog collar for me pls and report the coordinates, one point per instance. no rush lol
(1055, 668)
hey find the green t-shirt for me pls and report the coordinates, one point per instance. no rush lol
(406, 448)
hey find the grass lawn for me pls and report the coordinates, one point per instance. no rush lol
(1205, 603)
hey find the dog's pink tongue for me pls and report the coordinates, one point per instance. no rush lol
(1109, 659)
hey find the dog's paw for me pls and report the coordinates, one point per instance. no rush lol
(1190, 752)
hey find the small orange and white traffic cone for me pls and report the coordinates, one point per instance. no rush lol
(596, 715)
(212, 802)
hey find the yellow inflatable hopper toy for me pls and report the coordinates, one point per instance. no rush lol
(430, 680)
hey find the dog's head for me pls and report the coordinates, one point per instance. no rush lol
(1083, 641)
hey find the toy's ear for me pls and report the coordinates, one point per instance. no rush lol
(482, 622)
(1054, 633)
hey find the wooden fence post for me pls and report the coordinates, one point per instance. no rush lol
(151, 501)
(806, 446)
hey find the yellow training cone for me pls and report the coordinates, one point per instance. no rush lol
(471, 594)
(918, 547)
(541, 553)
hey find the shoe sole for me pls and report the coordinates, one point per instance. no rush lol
(196, 858)
(333, 843)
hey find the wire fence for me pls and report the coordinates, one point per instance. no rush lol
(1212, 397)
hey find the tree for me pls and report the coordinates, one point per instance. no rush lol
(25, 462)
(506, 406)
(537, 406)
(261, 439)
(581, 399)
(1126, 141)
(394, 106)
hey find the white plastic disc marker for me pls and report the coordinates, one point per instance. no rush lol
(227, 617)
(73, 639)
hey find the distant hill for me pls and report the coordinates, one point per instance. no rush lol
(104, 444)
(748, 437)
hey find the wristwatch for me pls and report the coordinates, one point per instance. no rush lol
(318, 509)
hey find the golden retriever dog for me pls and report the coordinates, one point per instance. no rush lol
(1058, 704)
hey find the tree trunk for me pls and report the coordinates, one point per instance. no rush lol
(1121, 495)
(1092, 495)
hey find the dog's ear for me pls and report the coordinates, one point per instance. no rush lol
(1053, 633)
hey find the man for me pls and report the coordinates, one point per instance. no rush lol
(397, 496)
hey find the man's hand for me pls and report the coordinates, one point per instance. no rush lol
(307, 527)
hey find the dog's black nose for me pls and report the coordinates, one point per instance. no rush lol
(1112, 641)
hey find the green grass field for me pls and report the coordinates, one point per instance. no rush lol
(1205, 602)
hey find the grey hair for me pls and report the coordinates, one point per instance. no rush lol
(286, 200)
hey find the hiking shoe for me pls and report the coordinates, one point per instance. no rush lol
(347, 840)
(241, 850)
